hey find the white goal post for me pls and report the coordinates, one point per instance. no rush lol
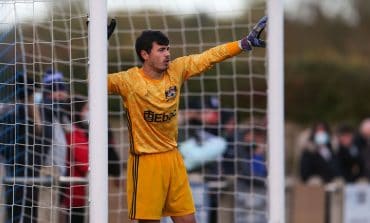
(275, 106)
(98, 102)
(50, 42)
(275, 112)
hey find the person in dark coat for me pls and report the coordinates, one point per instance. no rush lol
(20, 150)
(362, 141)
(318, 158)
(75, 196)
(55, 113)
(349, 157)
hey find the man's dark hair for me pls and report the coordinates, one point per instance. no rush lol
(146, 39)
(345, 129)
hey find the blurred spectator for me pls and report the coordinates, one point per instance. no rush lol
(231, 134)
(203, 149)
(211, 115)
(54, 115)
(78, 159)
(245, 154)
(251, 172)
(349, 156)
(318, 159)
(19, 130)
(257, 141)
(251, 157)
(245, 158)
(362, 141)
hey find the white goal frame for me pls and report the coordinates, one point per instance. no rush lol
(98, 107)
(275, 112)
(98, 179)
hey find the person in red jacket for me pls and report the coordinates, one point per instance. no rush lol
(75, 196)
(77, 161)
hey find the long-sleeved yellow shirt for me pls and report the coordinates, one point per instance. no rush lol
(152, 105)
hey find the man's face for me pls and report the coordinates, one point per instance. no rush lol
(210, 116)
(59, 95)
(158, 58)
(345, 139)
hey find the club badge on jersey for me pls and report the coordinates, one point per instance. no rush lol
(171, 93)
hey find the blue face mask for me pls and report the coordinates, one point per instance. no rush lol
(321, 138)
(37, 97)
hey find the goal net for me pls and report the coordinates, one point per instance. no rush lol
(43, 69)
(227, 103)
(44, 88)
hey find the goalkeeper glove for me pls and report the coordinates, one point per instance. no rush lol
(253, 38)
(110, 28)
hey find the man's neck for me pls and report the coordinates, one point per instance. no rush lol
(151, 73)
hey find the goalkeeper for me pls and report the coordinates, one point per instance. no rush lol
(157, 183)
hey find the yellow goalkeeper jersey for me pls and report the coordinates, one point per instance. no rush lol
(152, 105)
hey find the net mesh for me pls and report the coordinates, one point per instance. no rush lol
(43, 51)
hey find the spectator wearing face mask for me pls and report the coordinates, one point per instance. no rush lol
(318, 158)
(54, 114)
(202, 149)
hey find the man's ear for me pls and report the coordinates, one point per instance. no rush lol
(144, 54)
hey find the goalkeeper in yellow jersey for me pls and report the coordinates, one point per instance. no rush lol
(157, 183)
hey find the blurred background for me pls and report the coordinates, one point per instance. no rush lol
(327, 74)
